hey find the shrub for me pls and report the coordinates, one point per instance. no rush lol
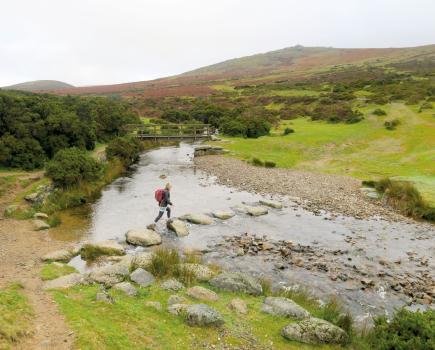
(288, 131)
(54, 220)
(125, 148)
(425, 105)
(369, 183)
(392, 125)
(257, 162)
(70, 166)
(233, 128)
(379, 112)
(406, 331)
(269, 164)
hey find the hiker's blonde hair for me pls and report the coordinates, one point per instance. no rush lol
(168, 185)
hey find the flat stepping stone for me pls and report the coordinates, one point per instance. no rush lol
(142, 277)
(143, 237)
(250, 210)
(203, 315)
(201, 219)
(202, 273)
(58, 255)
(223, 214)
(271, 203)
(171, 285)
(67, 281)
(111, 246)
(237, 282)
(279, 306)
(127, 288)
(202, 293)
(179, 227)
(109, 275)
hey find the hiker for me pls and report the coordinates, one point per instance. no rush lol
(163, 206)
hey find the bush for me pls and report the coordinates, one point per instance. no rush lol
(425, 105)
(257, 162)
(369, 183)
(392, 125)
(288, 131)
(233, 128)
(379, 112)
(269, 164)
(70, 166)
(406, 331)
(125, 148)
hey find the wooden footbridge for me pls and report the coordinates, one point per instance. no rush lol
(169, 132)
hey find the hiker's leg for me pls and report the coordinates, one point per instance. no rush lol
(158, 217)
(168, 212)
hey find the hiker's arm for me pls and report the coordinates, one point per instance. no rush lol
(167, 198)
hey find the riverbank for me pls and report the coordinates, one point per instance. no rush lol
(336, 194)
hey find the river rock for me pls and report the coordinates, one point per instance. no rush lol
(367, 190)
(67, 281)
(201, 219)
(179, 227)
(223, 214)
(279, 306)
(58, 264)
(200, 315)
(203, 148)
(176, 309)
(104, 297)
(142, 260)
(58, 255)
(215, 138)
(11, 208)
(40, 225)
(127, 288)
(127, 260)
(143, 237)
(171, 285)
(372, 195)
(256, 211)
(271, 203)
(142, 277)
(202, 273)
(109, 275)
(184, 217)
(75, 251)
(40, 216)
(315, 330)
(237, 282)
(34, 197)
(176, 299)
(239, 305)
(202, 293)
(155, 304)
(112, 246)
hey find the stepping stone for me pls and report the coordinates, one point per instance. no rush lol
(257, 211)
(142, 260)
(142, 277)
(271, 203)
(373, 195)
(67, 281)
(279, 306)
(109, 275)
(203, 315)
(367, 190)
(223, 214)
(58, 255)
(179, 227)
(202, 293)
(143, 237)
(112, 246)
(201, 219)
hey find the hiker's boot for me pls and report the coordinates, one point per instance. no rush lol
(151, 227)
(170, 221)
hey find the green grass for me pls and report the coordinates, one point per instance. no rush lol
(54, 220)
(365, 150)
(15, 314)
(51, 271)
(89, 251)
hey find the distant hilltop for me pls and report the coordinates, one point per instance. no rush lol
(39, 85)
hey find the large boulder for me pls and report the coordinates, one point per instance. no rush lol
(279, 306)
(127, 288)
(110, 246)
(223, 214)
(201, 273)
(40, 225)
(142, 260)
(67, 281)
(109, 275)
(271, 203)
(202, 293)
(201, 219)
(58, 255)
(237, 282)
(315, 330)
(142, 277)
(179, 227)
(143, 237)
(171, 285)
(203, 315)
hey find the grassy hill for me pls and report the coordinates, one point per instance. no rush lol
(38, 85)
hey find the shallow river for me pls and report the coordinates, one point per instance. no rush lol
(129, 203)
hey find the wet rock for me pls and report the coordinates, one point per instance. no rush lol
(201, 219)
(239, 305)
(179, 227)
(142, 260)
(127, 260)
(315, 330)
(75, 251)
(112, 246)
(142, 277)
(202, 315)
(67, 281)
(127, 288)
(171, 285)
(155, 304)
(271, 203)
(176, 309)
(202, 293)
(11, 209)
(58, 255)
(184, 217)
(109, 275)
(237, 282)
(256, 211)
(202, 273)
(176, 299)
(223, 214)
(104, 297)
(203, 148)
(279, 306)
(40, 225)
(40, 216)
(143, 237)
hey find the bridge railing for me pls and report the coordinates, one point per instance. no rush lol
(170, 131)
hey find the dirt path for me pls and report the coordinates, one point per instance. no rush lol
(99, 152)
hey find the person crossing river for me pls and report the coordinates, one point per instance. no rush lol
(164, 206)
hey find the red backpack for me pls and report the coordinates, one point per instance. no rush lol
(159, 195)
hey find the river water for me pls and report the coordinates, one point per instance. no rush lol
(129, 203)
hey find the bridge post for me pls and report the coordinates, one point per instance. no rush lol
(181, 126)
(155, 133)
(208, 131)
(194, 131)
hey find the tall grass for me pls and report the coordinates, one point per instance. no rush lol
(54, 220)
(163, 262)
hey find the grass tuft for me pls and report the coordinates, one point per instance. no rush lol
(163, 262)
(257, 162)
(54, 220)
(51, 271)
(90, 252)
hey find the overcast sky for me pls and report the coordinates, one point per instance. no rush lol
(97, 42)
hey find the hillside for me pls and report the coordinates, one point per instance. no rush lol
(38, 85)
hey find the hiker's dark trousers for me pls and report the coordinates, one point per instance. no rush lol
(162, 210)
